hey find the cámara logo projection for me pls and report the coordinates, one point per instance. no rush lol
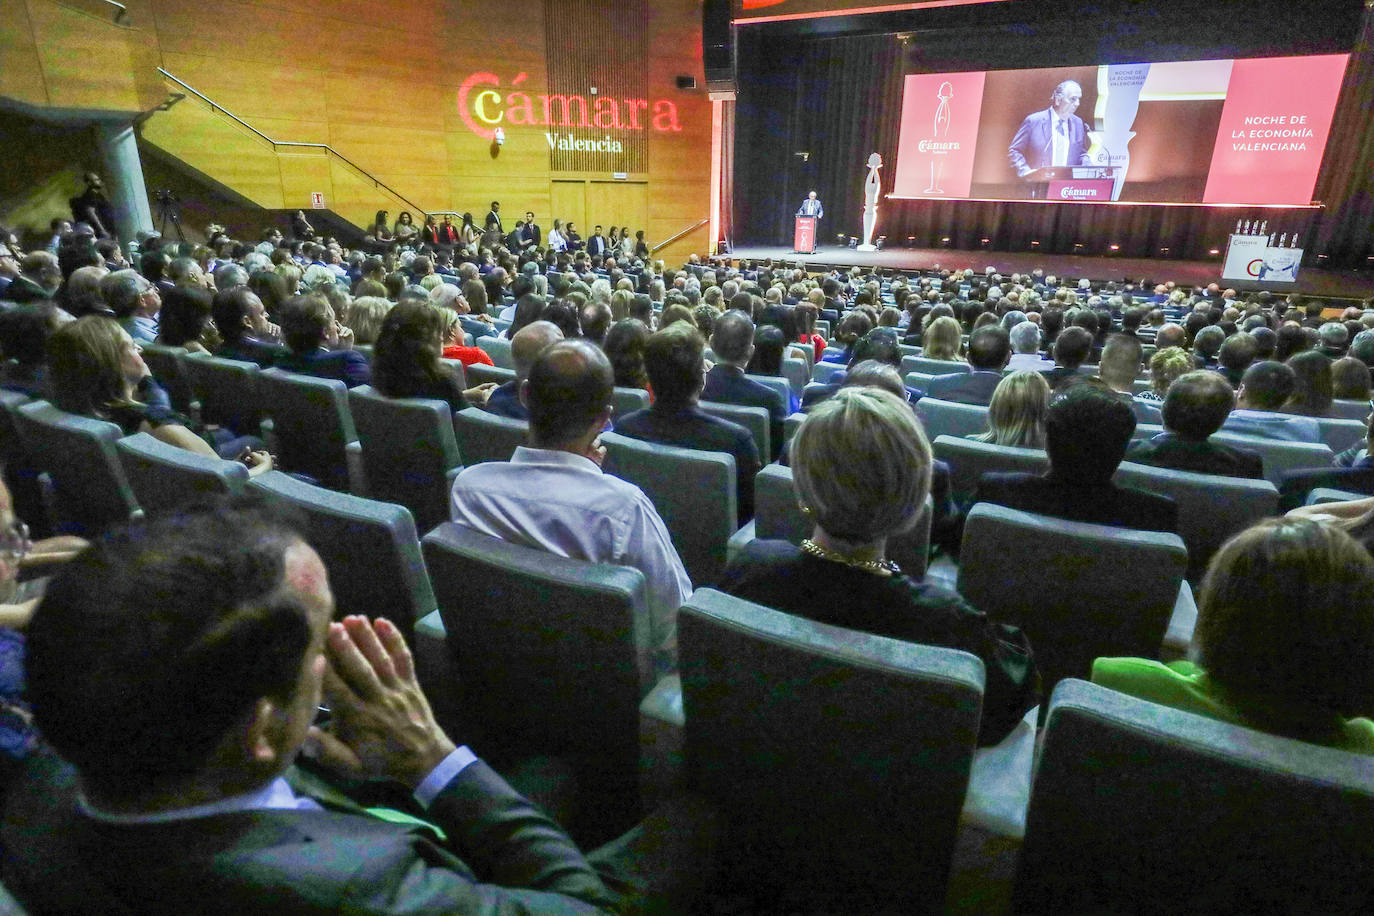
(484, 106)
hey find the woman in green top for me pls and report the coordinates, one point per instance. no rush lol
(1284, 639)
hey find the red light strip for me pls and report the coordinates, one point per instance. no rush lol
(859, 11)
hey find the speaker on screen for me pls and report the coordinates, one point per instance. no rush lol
(718, 53)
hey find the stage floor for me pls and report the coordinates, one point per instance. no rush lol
(1311, 281)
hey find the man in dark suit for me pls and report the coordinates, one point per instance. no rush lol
(182, 722)
(1053, 137)
(532, 233)
(1196, 406)
(493, 221)
(732, 341)
(525, 347)
(1087, 431)
(309, 328)
(989, 349)
(672, 358)
(879, 345)
(596, 245)
(1071, 349)
(242, 322)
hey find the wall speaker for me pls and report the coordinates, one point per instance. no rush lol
(718, 52)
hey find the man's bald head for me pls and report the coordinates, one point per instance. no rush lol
(529, 342)
(568, 393)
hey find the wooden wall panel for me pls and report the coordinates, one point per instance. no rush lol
(252, 89)
(21, 71)
(88, 62)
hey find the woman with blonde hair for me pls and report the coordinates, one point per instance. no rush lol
(941, 339)
(861, 468)
(364, 316)
(1166, 366)
(1016, 414)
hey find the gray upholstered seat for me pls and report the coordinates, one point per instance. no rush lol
(312, 425)
(228, 392)
(370, 549)
(933, 366)
(693, 491)
(1210, 508)
(21, 474)
(628, 400)
(841, 758)
(459, 371)
(409, 451)
(498, 348)
(969, 459)
(917, 380)
(754, 419)
(778, 384)
(822, 371)
(163, 476)
(478, 373)
(551, 657)
(166, 365)
(797, 373)
(1279, 455)
(78, 455)
(777, 515)
(947, 418)
(1079, 591)
(1350, 410)
(485, 436)
(1321, 495)
(1140, 807)
(790, 424)
(1340, 433)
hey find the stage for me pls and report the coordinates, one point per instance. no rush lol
(1311, 281)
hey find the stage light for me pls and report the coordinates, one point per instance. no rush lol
(1035, 244)
(1077, 245)
(1164, 251)
(985, 242)
(882, 240)
(911, 241)
(1114, 247)
(854, 242)
(1215, 252)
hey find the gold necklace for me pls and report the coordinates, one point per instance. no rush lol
(878, 567)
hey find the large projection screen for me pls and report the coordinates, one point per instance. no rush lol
(1246, 132)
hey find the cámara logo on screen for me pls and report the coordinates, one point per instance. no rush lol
(485, 109)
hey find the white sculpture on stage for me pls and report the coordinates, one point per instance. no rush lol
(871, 188)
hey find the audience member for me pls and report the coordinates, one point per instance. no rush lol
(624, 347)
(942, 339)
(245, 333)
(528, 343)
(989, 349)
(406, 361)
(1025, 346)
(1197, 405)
(1312, 393)
(1264, 389)
(1350, 379)
(1071, 350)
(309, 330)
(1016, 415)
(1166, 365)
(135, 302)
(1235, 356)
(733, 344)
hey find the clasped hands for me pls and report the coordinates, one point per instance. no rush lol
(382, 725)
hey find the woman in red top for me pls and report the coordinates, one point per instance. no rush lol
(453, 342)
(806, 326)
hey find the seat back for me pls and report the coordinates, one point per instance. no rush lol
(1210, 508)
(370, 549)
(1137, 802)
(790, 424)
(778, 384)
(754, 419)
(409, 448)
(932, 366)
(628, 400)
(797, 373)
(778, 515)
(227, 390)
(842, 756)
(1350, 410)
(947, 418)
(1079, 591)
(163, 476)
(78, 454)
(822, 371)
(969, 459)
(498, 348)
(478, 373)
(1340, 433)
(485, 436)
(693, 491)
(312, 422)
(458, 370)
(551, 656)
(166, 365)
(1278, 455)
(21, 475)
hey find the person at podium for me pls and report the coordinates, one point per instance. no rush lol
(1055, 137)
(811, 206)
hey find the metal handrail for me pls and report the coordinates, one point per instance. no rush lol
(690, 229)
(121, 12)
(215, 106)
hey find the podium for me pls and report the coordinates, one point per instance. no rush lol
(804, 235)
(1074, 183)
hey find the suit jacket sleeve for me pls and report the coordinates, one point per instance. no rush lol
(522, 861)
(356, 370)
(1016, 153)
(1082, 143)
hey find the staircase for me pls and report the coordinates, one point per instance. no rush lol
(229, 153)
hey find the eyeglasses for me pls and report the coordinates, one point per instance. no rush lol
(14, 540)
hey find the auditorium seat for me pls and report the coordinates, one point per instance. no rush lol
(1295, 485)
(228, 392)
(1210, 508)
(312, 427)
(797, 373)
(498, 348)
(1139, 807)
(917, 380)
(933, 366)
(370, 548)
(1350, 410)
(778, 384)
(948, 418)
(409, 452)
(479, 373)
(485, 436)
(790, 424)
(1340, 433)
(459, 371)
(969, 459)
(1331, 495)
(841, 759)
(78, 456)
(20, 472)
(1279, 456)
(693, 491)
(166, 365)
(1079, 591)
(628, 400)
(754, 419)
(551, 657)
(821, 372)
(164, 477)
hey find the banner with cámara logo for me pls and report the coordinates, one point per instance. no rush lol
(940, 113)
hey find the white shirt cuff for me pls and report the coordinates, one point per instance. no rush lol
(448, 769)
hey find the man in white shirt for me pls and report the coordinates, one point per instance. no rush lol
(552, 494)
(1264, 388)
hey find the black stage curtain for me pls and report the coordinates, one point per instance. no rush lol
(812, 108)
